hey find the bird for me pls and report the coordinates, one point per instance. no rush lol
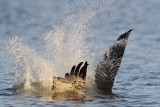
(73, 83)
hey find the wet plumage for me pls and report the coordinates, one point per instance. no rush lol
(73, 84)
(107, 69)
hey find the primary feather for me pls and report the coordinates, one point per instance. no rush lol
(73, 84)
(107, 69)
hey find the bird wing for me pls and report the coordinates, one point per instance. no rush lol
(107, 69)
(77, 76)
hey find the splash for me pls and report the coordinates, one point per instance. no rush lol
(65, 46)
(30, 66)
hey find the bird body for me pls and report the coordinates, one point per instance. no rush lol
(73, 84)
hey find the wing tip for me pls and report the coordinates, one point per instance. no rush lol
(125, 35)
(130, 30)
(86, 63)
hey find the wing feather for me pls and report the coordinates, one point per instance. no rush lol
(107, 69)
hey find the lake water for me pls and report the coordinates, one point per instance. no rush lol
(40, 39)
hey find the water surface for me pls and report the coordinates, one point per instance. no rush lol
(42, 30)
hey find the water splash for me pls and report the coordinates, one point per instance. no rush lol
(65, 45)
(30, 66)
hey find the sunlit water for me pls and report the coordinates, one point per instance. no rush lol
(42, 39)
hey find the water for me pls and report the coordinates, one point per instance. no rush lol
(41, 39)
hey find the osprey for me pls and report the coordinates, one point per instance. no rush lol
(73, 84)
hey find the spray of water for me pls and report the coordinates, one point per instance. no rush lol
(67, 43)
(65, 46)
(30, 66)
